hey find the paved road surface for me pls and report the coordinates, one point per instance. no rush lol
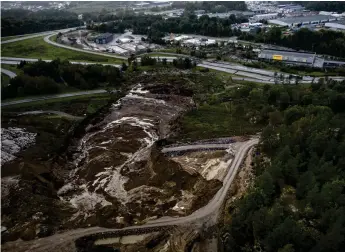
(28, 36)
(195, 147)
(205, 214)
(60, 113)
(47, 97)
(8, 73)
(47, 39)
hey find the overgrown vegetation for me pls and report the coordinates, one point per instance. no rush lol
(76, 105)
(20, 21)
(297, 202)
(155, 26)
(334, 6)
(54, 77)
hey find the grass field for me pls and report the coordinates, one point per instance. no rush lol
(38, 48)
(5, 80)
(211, 121)
(12, 68)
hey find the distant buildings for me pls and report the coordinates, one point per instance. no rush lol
(336, 25)
(104, 38)
(297, 58)
(302, 20)
(288, 57)
(266, 16)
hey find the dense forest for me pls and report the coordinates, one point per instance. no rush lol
(336, 6)
(50, 78)
(297, 201)
(211, 6)
(19, 21)
(322, 42)
(157, 26)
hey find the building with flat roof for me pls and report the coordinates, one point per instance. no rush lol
(104, 38)
(298, 58)
(302, 20)
(336, 25)
(288, 57)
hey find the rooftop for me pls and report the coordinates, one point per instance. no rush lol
(104, 35)
(292, 20)
(288, 53)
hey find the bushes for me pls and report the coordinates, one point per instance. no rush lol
(148, 61)
(183, 63)
(24, 85)
(290, 205)
(49, 78)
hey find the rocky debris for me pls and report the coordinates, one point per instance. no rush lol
(118, 165)
(209, 164)
(111, 173)
(14, 140)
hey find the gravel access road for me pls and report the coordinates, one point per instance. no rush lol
(59, 242)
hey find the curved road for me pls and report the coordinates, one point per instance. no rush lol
(206, 214)
(250, 74)
(195, 147)
(33, 35)
(48, 97)
(47, 39)
(8, 73)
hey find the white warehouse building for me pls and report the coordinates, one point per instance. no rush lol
(303, 20)
(338, 25)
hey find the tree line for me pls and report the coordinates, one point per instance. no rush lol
(56, 76)
(336, 6)
(155, 26)
(297, 201)
(322, 42)
(211, 6)
(19, 21)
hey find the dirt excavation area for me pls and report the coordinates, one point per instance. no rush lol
(109, 170)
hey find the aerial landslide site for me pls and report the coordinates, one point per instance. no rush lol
(109, 170)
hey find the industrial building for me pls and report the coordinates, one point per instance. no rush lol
(266, 16)
(303, 20)
(297, 58)
(288, 57)
(336, 25)
(104, 38)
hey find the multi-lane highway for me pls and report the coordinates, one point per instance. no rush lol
(34, 35)
(48, 97)
(206, 214)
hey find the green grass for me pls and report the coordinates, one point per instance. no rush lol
(38, 48)
(53, 38)
(210, 121)
(5, 80)
(12, 68)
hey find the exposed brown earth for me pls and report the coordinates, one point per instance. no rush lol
(114, 175)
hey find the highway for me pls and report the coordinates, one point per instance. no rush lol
(34, 35)
(207, 214)
(48, 97)
(8, 73)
